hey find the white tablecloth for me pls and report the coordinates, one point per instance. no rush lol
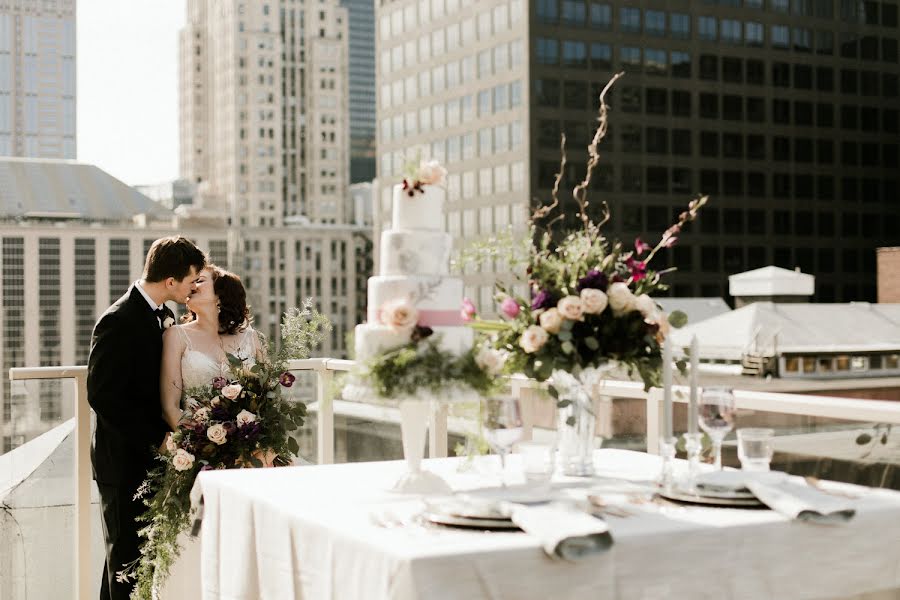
(319, 533)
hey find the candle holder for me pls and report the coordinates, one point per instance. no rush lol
(667, 452)
(693, 446)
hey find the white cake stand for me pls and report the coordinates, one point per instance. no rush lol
(414, 414)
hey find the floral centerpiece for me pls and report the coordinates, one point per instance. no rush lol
(590, 307)
(238, 420)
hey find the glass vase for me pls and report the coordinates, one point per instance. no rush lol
(577, 423)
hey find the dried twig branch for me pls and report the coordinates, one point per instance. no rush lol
(580, 191)
(542, 211)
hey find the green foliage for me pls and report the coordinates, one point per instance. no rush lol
(302, 329)
(424, 366)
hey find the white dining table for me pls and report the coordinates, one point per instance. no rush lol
(339, 532)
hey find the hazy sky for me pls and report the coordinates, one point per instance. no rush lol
(127, 61)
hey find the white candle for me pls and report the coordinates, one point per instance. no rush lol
(667, 389)
(693, 415)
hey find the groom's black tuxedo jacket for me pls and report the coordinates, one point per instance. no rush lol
(123, 389)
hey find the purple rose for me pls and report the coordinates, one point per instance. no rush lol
(249, 432)
(219, 382)
(287, 379)
(219, 413)
(594, 280)
(543, 299)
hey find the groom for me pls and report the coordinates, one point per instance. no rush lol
(123, 390)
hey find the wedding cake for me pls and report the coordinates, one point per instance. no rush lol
(413, 289)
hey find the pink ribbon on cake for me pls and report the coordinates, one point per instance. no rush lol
(436, 318)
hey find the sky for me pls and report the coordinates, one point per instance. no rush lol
(127, 103)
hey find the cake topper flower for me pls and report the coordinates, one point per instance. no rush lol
(428, 172)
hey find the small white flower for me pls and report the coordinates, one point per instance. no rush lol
(490, 360)
(645, 305)
(171, 446)
(201, 415)
(533, 339)
(621, 300)
(232, 391)
(431, 173)
(551, 320)
(244, 417)
(217, 434)
(168, 322)
(400, 315)
(192, 403)
(183, 460)
(571, 308)
(594, 301)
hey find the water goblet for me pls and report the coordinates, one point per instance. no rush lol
(502, 427)
(717, 413)
(755, 448)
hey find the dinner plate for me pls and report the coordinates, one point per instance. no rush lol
(469, 508)
(680, 495)
(470, 523)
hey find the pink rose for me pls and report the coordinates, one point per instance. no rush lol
(468, 311)
(510, 307)
(551, 320)
(533, 339)
(431, 173)
(399, 315)
(183, 460)
(571, 308)
(232, 391)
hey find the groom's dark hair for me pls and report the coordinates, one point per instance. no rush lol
(172, 257)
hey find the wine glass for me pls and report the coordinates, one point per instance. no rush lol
(717, 417)
(502, 427)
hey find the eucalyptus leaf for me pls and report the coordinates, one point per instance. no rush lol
(567, 348)
(570, 421)
(563, 403)
(293, 446)
(564, 336)
(592, 343)
(678, 319)
(234, 361)
(554, 393)
(863, 439)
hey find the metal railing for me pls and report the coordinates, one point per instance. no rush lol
(527, 390)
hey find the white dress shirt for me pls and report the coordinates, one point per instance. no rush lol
(153, 305)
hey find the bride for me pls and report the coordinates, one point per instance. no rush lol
(217, 324)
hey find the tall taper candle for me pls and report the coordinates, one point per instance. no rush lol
(693, 415)
(667, 388)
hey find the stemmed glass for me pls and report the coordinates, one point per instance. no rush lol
(717, 417)
(502, 427)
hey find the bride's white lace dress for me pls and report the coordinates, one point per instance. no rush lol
(198, 369)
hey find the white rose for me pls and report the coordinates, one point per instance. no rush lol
(431, 173)
(232, 391)
(490, 360)
(660, 319)
(571, 308)
(217, 434)
(168, 322)
(171, 446)
(191, 402)
(645, 305)
(216, 401)
(244, 417)
(594, 301)
(183, 460)
(621, 300)
(551, 320)
(201, 415)
(533, 339)
(399, 315)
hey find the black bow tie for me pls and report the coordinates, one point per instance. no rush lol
(161, 313)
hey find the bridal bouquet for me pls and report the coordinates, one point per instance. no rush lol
(591, 298)
(237, 420)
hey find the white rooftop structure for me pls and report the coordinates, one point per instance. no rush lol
(774, 328)
(696, 309)
(66, 189)
(771, 282)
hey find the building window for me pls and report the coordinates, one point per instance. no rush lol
(680, 26)
(574, 54)
(630, 19)
(780, 36)
(601, 16)
(547, 51)
(731, 31)
(707, 28)
(681, 64)
(753, 34)
(546, 11)
(655, 22)
(601, 56)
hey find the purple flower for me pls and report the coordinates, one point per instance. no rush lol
(206, 468)
(219, 382)
(595, 280)
(420, 332)
(249, 432)
(510, 307)
(229, 426)
(287, 379)
(219, 413)
(543, 299)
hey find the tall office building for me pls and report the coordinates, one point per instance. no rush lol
(37, 78)
(73, 238)
(784, 111)
(263, 91)
(362, 89)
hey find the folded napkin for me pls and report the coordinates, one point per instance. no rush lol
(797, 500)
(564, 531)
(729, 482)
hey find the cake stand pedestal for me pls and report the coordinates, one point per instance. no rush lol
(414, 415)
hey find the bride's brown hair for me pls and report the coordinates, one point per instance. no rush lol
(234, 312)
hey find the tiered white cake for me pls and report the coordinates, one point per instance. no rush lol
(414, 266)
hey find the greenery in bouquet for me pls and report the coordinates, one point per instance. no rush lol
(238, 420)
(590, 298)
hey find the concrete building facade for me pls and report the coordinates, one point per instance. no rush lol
(37, 78)
(784, 112)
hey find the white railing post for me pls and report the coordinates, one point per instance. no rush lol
(437, 431)
(654, 419)
(325, 418)
(82, 484)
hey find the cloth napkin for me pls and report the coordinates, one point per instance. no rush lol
(797, 500)
(564, 531)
